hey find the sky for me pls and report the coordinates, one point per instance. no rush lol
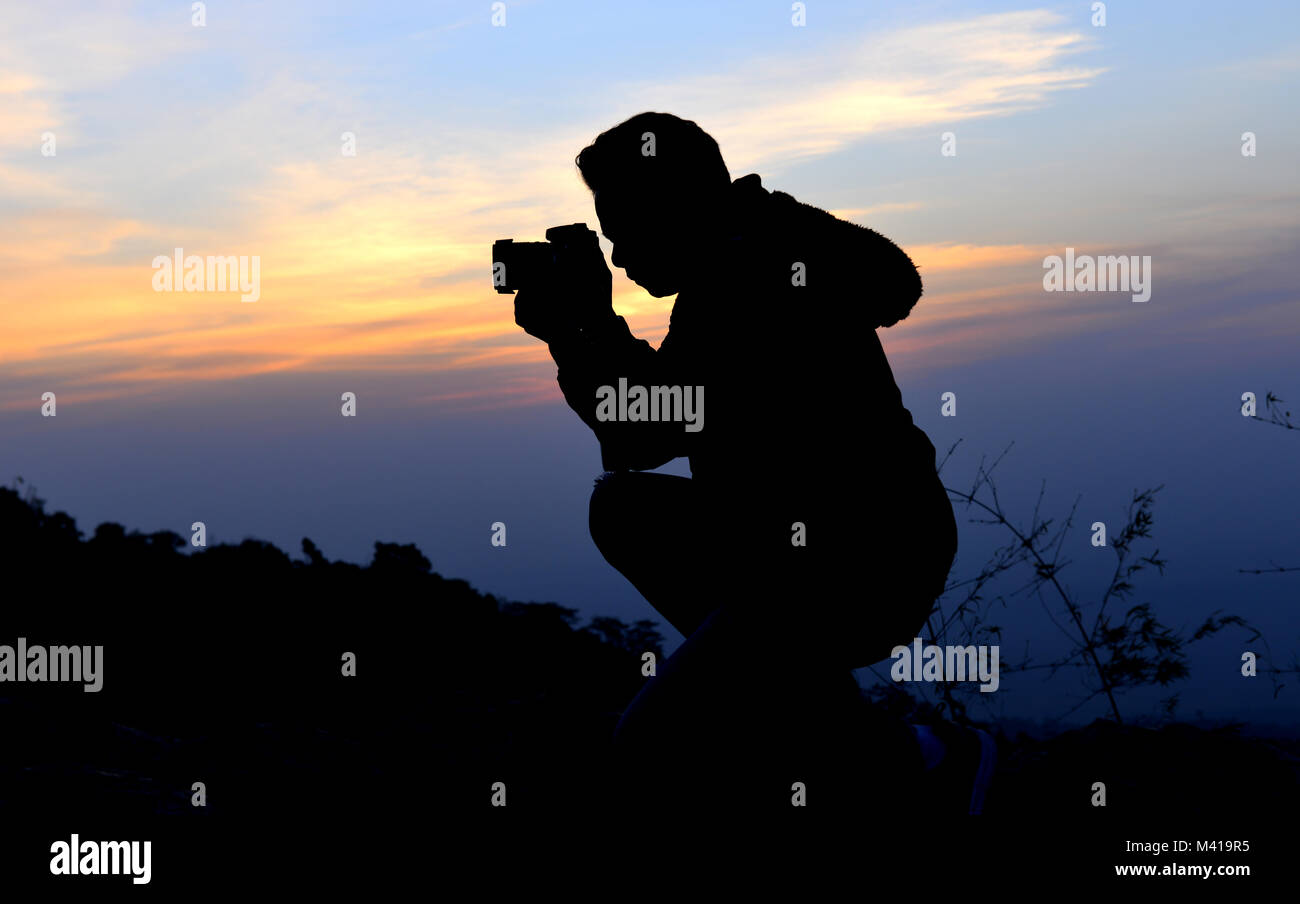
(127, 131)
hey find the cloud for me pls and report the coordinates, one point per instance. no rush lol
(1278, 65)
(773, 111)
(959, 256)
(386, 253)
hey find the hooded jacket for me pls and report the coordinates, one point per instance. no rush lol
(782, 339)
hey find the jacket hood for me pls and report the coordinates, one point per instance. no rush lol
(855, 262)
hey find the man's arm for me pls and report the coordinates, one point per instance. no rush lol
(598, 356)
(594, 348)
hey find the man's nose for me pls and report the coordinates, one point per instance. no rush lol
(615, 257)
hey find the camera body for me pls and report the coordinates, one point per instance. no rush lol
(522, 265)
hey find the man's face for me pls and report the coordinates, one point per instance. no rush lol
(650, 241)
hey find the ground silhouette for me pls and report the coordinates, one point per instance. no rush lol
(224, 665)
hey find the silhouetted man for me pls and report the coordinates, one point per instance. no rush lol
(813, 535)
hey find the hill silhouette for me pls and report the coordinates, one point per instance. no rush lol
(224, 665)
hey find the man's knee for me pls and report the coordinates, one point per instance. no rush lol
(607, 511)
(609, 487)
(628, 506)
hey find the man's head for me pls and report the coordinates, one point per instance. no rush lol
(660, 185)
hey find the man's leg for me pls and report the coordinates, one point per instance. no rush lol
(651, 528)
(735, 718)
(760, 696)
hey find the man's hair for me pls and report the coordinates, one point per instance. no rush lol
(685, 158)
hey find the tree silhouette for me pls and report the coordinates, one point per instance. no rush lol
(225, 663)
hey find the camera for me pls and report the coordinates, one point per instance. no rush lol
(521, 265)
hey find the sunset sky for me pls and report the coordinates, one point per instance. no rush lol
(375, 273)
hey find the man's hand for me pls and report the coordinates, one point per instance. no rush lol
(543, 315)
(588, 280)
(579, 298)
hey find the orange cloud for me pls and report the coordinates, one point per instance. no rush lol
(381, 260)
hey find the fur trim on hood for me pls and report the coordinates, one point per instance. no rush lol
(864, 265)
